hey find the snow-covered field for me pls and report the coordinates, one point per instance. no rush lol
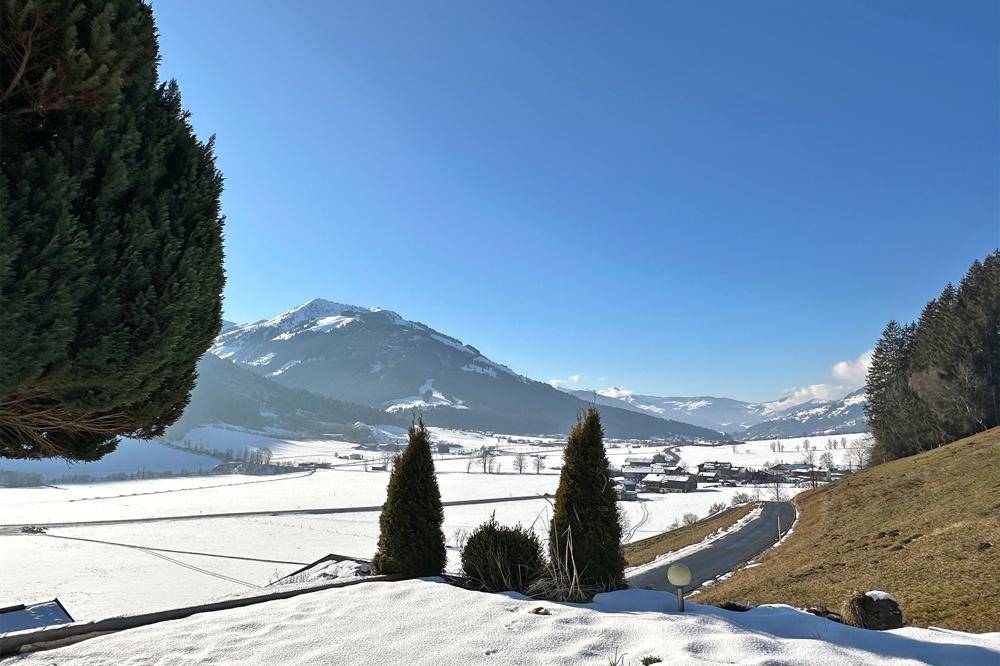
(758, 453)
(430, 622)
(100, 570)
(105, 574)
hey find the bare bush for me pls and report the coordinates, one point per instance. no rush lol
(740, 498)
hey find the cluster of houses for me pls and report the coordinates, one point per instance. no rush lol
(653, 475)
(657, 475)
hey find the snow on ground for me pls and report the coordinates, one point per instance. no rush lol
(758, 453)
(96, 579)
(430, 622)
(102, 570)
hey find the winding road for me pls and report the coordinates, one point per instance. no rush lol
(727, 553)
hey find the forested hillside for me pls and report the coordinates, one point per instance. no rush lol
(938, 379)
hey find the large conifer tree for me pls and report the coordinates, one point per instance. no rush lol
(938, 380)
(110, 231)
(410, 539)
(585, 518)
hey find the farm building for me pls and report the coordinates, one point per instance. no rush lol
(626, 491)
(723, 470)
(669, 483)
(708, 477)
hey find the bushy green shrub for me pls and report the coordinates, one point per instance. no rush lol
(502, 558)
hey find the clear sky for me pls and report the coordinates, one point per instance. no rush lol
(680, 198)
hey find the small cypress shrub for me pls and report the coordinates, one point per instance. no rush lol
(585, 535)
(410, 539)
(501, 558)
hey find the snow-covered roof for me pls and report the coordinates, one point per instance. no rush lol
(660, 478)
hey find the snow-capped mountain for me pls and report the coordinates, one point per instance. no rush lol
(725, 414)
(835, 417)
(377, 358)
(785, 417)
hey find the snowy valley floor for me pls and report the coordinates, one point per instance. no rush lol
(93, 570)
(430, 622)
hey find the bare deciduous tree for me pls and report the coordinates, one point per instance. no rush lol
(826, 460)
(859, 456)
(486, 455)
(809, 458)
(520, 462)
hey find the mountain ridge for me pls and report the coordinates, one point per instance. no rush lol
(375, 357)
(742, 419)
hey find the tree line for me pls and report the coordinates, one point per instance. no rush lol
(938, 379)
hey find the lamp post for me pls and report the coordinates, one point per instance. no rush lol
(680, 577)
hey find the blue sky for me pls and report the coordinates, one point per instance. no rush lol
(679, 198)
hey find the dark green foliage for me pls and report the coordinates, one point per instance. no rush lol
(501, 558)
(110, 232)
(938, 380)
(410, 539)
(586, 528)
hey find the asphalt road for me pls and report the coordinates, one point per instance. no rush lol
(727, 553)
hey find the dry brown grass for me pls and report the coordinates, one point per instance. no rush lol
(647, 550)
(925, 528)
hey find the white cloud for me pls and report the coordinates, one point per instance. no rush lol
(849, 375)
(572, 379)
(853, 372)
(615, 392)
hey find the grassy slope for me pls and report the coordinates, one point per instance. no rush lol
(646, 550)
(925, 528)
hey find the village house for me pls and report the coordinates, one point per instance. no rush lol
(669, 483)
(723, 470)
(708, 477)
(626, 491)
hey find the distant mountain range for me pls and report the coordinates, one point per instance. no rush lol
(834, 417)
(389, 367)
(745, 420)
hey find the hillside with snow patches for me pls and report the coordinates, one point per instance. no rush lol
(784, 417)
(834, 417)
(377, 358)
